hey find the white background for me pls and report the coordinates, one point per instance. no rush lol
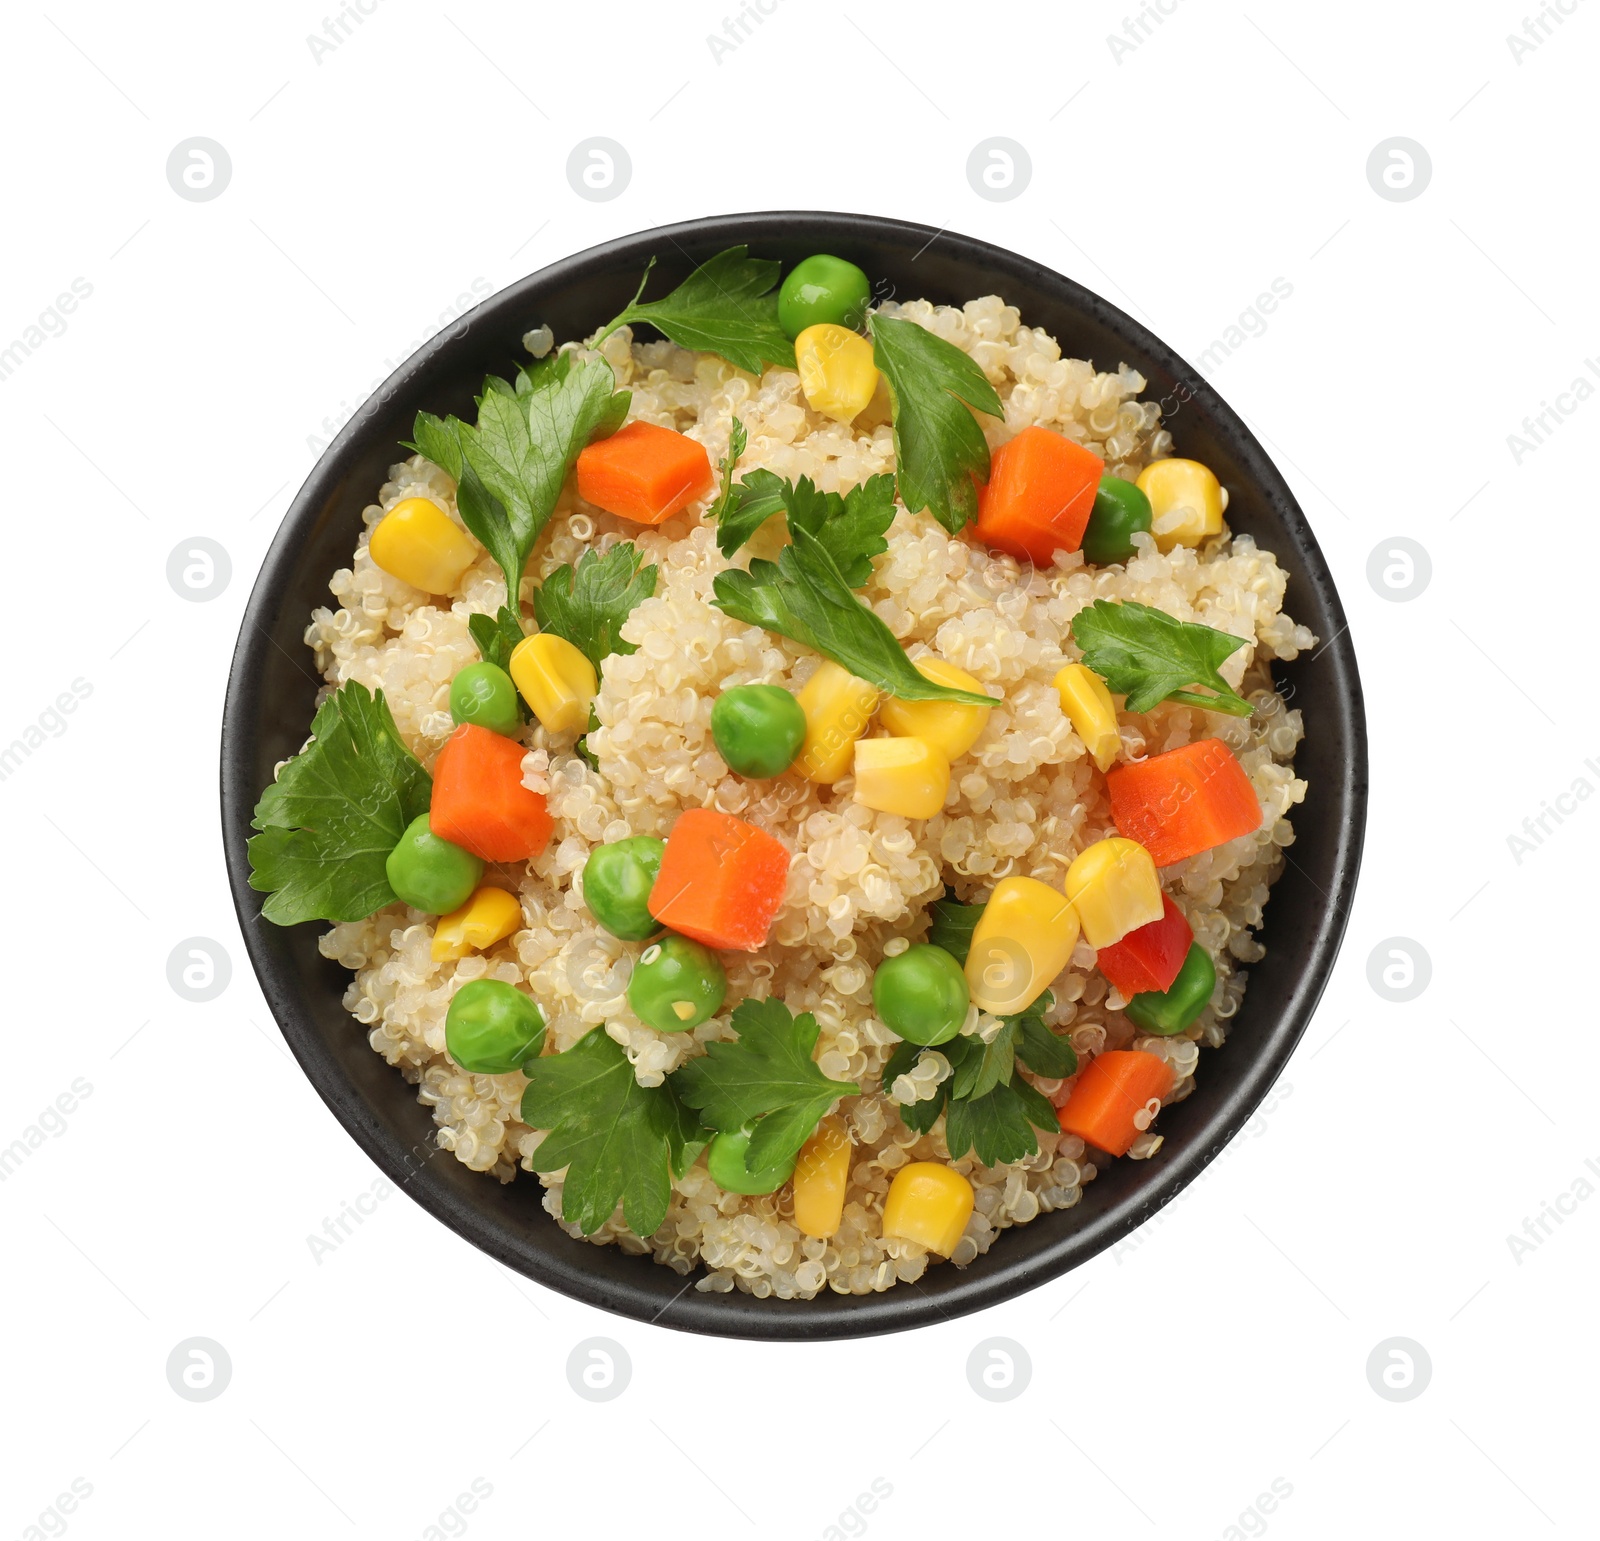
(1172, 1382)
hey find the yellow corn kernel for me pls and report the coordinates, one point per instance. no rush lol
(489, 916)
(836, 370)
(907, 776)
(556, 681)
(929, 1203)
(1023, 939)
(418, 543)
(821, 1175)
(951, 727)
(838, 710)
(1114, 888)
(1091, 711)
(1186, 502)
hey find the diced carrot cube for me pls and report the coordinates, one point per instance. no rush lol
(1112, 1089)
(644, 473)
(721, 880)
(1039, 496)
(479, 801)
(1183, 802)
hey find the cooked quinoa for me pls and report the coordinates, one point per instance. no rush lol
(1025, 800)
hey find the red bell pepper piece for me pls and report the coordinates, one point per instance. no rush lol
(1150, 957)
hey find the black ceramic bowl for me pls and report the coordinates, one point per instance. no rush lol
(269, 705)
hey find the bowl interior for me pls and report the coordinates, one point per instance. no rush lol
(273, 683)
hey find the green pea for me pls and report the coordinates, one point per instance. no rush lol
(491, 1028)
(482, 693)
(725, 1158)
(1120, 510)
(617, 882)
(820, 289)
(430, 874)
(921, 994)
(677, 984)
(1175, 1008)
(758, 729)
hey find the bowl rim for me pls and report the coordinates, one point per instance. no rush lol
(905, 1305)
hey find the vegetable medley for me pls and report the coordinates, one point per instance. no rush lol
(967, 1013)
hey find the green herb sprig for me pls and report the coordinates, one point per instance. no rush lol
(851, 526)
(337, 809)
(989, 1108)
(805, 597)
(509, 468)
(738, 438)
(497, 636)
(1149, 657)
(587, 604)
(951, 925)
(619, 1141)
(727, 306)
(938, 446)
(767, 1078)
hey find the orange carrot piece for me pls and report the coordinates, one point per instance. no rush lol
(1112, 1088)
(1183, 802)
(644, 473)
(1040, 494)
(479, 801)
(721, 880)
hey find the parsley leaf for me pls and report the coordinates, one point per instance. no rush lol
(335, 812)
(804, 596)
(753, 501)
(985, 1065)
(588, 604)
(989, 1108)
(768, 1078)
(726, 306)
(434, 438)
(582, 749)
(510, 468)
(618, 1140)
(1149, 657)
(496, 635)
(1042, 1050)
(850, 527)
(952, 926)
(938, 445)
(923, 1115)
(999, 1125)
(738, 438)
